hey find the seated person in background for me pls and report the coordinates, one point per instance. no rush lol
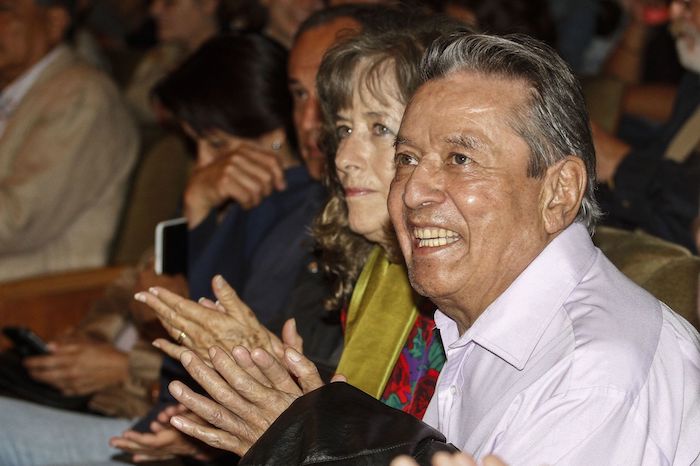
(242, 125)
(553, 356)
(501, 17)
(181, 27)
(67, 147)
(656, 187)
(104, 365)
(184, 25)
(284, 17)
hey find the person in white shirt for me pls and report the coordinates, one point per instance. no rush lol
(553, 356)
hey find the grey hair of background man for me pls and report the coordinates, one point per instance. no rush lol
(553, 123)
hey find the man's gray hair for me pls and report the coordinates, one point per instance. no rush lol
(554, 122)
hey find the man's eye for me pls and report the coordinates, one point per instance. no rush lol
(298, 94)
(216, 144)
(460, 159)
(343, 131)
(380, 130)
(402, 159)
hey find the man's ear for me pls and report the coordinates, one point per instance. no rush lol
(57, 24)
(564, 186)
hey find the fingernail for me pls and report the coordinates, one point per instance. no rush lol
(212, 352)
(201, 300)
(176, 421)
(141, 297)
(219, 281)
(153, 290)
(293, 355)
(156, 343)
(186, 358)
(175, 389)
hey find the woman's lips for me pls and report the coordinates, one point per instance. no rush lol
(355, 192)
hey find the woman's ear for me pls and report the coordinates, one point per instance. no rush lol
(564, 186)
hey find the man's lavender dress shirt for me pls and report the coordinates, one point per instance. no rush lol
(575, 365)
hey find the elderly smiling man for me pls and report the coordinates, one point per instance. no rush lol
(553, 356)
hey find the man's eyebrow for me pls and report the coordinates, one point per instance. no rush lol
(462, 140)
(400, 139)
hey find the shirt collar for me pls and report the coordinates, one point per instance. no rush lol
(13, 94)
(513, 324)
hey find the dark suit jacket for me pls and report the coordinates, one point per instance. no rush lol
(657, 195)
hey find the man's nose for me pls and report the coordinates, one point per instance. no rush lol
(424, 187)
(311, 118)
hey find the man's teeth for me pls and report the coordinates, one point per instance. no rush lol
(433, 237)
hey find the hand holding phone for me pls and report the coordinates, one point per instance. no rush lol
(26, 342)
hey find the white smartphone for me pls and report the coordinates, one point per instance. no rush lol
(171, 247)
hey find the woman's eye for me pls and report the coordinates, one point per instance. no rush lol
(460, 159)
(380, 130)
(343, 131)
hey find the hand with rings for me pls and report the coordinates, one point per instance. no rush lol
(227, 323)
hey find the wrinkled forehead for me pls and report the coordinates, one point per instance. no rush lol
(467, 96)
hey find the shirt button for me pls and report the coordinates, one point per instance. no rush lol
(453, 390)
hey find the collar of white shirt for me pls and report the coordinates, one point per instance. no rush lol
(13, 94)
(512, 325)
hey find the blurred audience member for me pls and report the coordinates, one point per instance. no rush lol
(67, 146)
(501, 17)
(255, 237)
(656, 187)
(644, 62)
(182, 26)
(285, 16)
